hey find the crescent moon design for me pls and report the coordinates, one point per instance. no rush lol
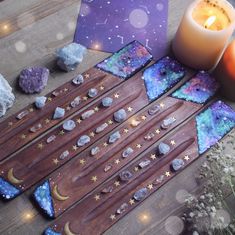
(57, 195)
(67, 229)
(12, 178)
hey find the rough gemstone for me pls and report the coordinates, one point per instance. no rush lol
(33, 79)
(64, 155)
(75, 102)
(95, 150)
(40, 102)
(70, 56)
(108, 168)
(87, 114)
(92, 92)
(78, 80)
(154, 109)
(107, 190)
(107, 102)
(144, 163)
(59, 113)
(51, 139)
(159, 180)
(101, 128)
(6, 96)
(141, 194)
(69, 125)
(125, 176)
(114, 137)
(167, 122)
(122, 208)
(83, 140)
(35, 128)
(120, 115)
(163, 148)
(22, 114)
(126, 153)
(177, 164)
(149, 136)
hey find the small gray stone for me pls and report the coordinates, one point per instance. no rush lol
(35, 128)
(78, 80)
(83, 140)
(22, 114)
(141, 194)
(101, 128)
(95, 150)
(87, 114)
(51, 139)
(153, 110)
(108, 168)
(122, 208)
(177, 164)
(64, 155)
(163, 148)
(126, 153)
(40, 102)
(125, 176)
(59, 113)
(69, 125)
(120, 115)
(92, 92)
(167, 122)
(114, 137)
(107, 102)
(144, 163)
(75, 102)
(107, 190)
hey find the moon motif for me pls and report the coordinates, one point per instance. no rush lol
(12, 178)
(57, 195)
(67, 229)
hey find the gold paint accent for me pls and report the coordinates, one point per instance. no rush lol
(143, 117)
(101, 88)
(47, 121)
(67, 229)
(82, 161)
(105, 144)
(136, 169)
(94, 178)
(55, 161)
(150, 186)
(12, 178)
(186, 158)
(167, 174)
(112, 217)
(173, 142)
(153, 156)
(57, 195)
(75, 147)
(40, 146)
(138, 146)
(131, 202)
(78, 120)
(23, 136)
(117, 161)
(157, 131)
(126, 130)
(61, 132)
(97, 197)
(96, 109)
(162, 105)
(49, 99)
(117, 183)
(116, 95)
(110, 122)
(129, 109)
(87, 75)
(85, 98)
(92, 134)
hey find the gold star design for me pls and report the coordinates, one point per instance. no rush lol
(136, 169)
(87, 75)
(167, 174)
(49, 99)
(55, 161)
(10, 123)
(68, 108)
(101, 88)
(153, 156)
(112, 217)
(96, 109)
(75, 148)
(162, 105)
(131, 202)
(173, 142)
(143, 117)
(97, 197)
(117, 183)
(82, 161)
(129, 109)
(78, 120)
(94, 178)
(85, 98)
(126, 130)
(40, 146)
(116, 95)
(31, 110)
(157, 131)
(186, 158)
(92, 134)
(110, 122)
(117, 161)
(61, 132)
(23, 136)
(65, 89)
(47, 121)
(150, 186)
(138, 146)
(105, 144)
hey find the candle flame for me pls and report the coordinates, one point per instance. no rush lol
(210, 21)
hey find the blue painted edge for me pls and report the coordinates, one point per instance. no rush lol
(7, 190)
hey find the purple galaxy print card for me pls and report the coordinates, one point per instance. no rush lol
(108, 25)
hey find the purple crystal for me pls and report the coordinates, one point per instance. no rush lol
(33, 79)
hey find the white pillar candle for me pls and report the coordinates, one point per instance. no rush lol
(205, 30)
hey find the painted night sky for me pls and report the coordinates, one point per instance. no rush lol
(108, 25)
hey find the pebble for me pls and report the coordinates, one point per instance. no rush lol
(92, 92)
(126, 153)
(122, 208)
(153, 110)
(51, 139)
(75, 102)
(125, 176)
(120, 115)
(167, 123)
(114, 137)
(141, 194)
(78, 80)
(108, 168)
(35, 128)
(22, 114)
(40, 102)
(70, 56)
(101, 128)
(107, 102)
(149, 136)
(163, 148)
(69, 125)
(159, 180)
(94, 151)
(177, 164)
(59, 113)
(107, 190)
(64, 155)
(83, 140)
(144, 163)
(87, 114)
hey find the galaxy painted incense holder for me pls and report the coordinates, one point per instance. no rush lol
(135, 183)
(53, 150)
(31, 122)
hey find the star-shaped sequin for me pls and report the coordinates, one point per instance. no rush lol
(96, 109)
(10, 123)
(162, 105)
(66, 89)
(143, 117)
(85, 98)
(68, 108)
(157, 131)
(110, 122)
(23, 136)
(101, 88)
(61, 132)
(87, 75)
(94, 178)
(31, 110)
(49, 99)
(92, 134)
(136, 169)
(97, 197)
(78, 120)
(105, 144)
(138, 146)
(75, 147)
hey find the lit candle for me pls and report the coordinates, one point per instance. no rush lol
(203, 33)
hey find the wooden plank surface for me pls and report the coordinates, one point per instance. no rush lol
(50, 29)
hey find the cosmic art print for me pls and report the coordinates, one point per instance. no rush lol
(108, 25)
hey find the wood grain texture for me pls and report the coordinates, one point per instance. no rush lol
(41, 42)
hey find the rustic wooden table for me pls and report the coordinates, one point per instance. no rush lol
(49, 25)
